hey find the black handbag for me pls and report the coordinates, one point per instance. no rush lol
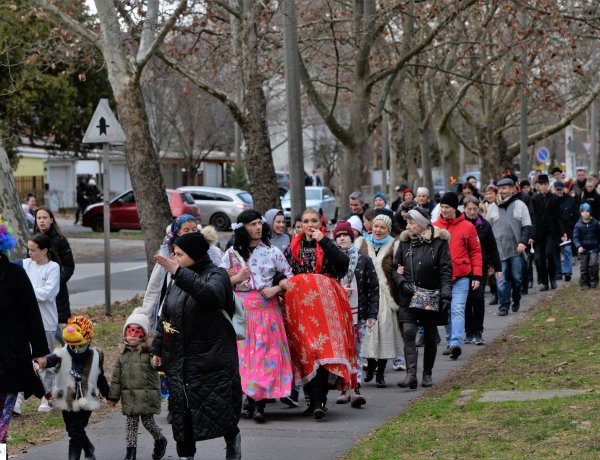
(423, 299)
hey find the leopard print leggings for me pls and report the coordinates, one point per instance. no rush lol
(133, 422)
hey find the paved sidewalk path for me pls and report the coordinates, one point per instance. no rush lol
(287, 435)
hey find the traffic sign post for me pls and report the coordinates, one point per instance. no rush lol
(105, 129)
(542, 154)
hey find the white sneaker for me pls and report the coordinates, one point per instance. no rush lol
(44, 407)
(18, 404)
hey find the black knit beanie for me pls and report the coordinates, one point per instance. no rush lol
(193, 244)
(451, 199)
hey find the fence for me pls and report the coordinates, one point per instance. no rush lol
(31, 184)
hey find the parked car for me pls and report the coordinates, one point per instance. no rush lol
(219, 206)
(124, 215)
(319, 198)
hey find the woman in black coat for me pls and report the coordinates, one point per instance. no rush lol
(21, 334)
(422, 259)
(45, 222)
(195, 345)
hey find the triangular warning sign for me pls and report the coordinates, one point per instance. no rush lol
(104, 127)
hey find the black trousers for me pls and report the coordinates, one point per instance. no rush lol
(75, 423)
(589, 268)
(318, 387)
(475, 309)
(545, 249)
(187, 448)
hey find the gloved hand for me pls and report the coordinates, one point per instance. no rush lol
(408, 289)
(445, 305)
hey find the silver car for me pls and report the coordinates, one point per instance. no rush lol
(219, 206)
(319, 198)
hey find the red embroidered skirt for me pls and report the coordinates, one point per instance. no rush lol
(320, 330)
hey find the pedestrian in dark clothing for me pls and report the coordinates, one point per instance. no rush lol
(475, 311)
(547, 231)
(46, 223)
(586, 237)
(526, 193)
(579, 183)
(362, 287)
(569, 216)
(422, 261)
(398, 201)
(196, 346)
(22, 335)
(590, 195)
(93, 192)
(357, 205)
(82, 199)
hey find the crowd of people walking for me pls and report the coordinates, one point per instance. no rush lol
(318, 309)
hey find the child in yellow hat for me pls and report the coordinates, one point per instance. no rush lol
(78, 382)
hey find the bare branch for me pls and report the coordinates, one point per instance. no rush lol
(63, 17)
(144, 55)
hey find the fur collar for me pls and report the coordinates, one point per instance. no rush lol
(440, 233)
(143, 347)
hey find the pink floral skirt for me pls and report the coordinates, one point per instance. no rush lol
(265, 365)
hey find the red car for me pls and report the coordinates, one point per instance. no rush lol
(124, 215)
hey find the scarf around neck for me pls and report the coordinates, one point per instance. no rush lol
(352, 253)
(377, 244)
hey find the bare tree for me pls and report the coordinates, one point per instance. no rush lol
(127, 47)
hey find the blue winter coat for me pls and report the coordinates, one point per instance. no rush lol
(587, 235)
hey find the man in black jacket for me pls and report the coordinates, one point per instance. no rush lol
(547, 231)
(590, 195)
(569, 216)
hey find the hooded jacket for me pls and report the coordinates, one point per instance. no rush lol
(134, 381)
(465, 248)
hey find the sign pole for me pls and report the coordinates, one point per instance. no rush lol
(105, 129)
(106, 193)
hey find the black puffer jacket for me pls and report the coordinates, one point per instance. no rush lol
(368, 288)
(67, 267)
(21, 331)
(200, 360)
(432, 270)
(489, 247)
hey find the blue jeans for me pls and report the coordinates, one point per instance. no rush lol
(511, 278)
(456, 317)
(566, 267)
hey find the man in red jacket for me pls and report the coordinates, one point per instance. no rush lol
(465, 252)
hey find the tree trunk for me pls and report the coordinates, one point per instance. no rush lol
(426, 160)
(259, 156)
(144, 169)
(10, 207)
(495, 159)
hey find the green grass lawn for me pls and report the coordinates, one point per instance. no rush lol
(33, 427)
(556, 347)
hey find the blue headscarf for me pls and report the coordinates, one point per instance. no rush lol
(177, 223)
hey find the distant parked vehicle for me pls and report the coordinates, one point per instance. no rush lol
(124, 215)
(319, 198)
(219, 206)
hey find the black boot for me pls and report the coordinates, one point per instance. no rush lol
(160, 448)
(88, 450)
(428, 361)
(234, 448)
(379, 378)
(494, 300)
(131, 453)
(371, 366)
(249, 408)
(259, 411)
(75, 449)
(411, 355)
